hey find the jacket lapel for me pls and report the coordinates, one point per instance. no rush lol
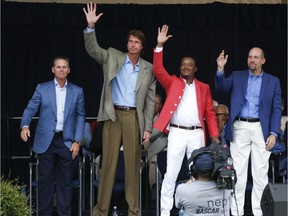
(244, 81)
(68, 100)
(119, 63)
(52, 96)
(264, 85)
(198, 97)
(141, 74)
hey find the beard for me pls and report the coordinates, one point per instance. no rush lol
(253, 67)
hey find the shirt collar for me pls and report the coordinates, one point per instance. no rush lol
(129, 61)
(193, 82)
(57, 84)
(252, 75)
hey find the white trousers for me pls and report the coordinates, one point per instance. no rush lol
(180, 141)
(248, 140)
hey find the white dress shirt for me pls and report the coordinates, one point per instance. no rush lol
(60, 104)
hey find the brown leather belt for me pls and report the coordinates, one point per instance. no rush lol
(248, 119)
(185, 127)
(124, 108)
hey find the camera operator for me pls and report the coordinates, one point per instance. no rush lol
(201, 196)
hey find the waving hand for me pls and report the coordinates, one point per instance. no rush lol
(91, 16)
(162, 35)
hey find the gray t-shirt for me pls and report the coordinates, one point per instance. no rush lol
(202, 198)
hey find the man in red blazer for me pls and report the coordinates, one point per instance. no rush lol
(188, 103)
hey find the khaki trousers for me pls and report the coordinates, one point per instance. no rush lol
(124, 131)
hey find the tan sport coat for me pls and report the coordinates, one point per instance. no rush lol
(111, 61)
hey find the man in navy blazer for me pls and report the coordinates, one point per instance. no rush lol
(58, 136)
(253, 124)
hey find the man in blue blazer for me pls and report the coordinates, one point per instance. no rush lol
(59, 130)
(253, 124)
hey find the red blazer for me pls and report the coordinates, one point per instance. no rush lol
(174, 87)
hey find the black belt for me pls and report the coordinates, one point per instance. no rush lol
(124, 108)
(58, 133)
(278, 153)
(185, 127)
(248, 119)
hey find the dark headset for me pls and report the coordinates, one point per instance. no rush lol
(194, 155)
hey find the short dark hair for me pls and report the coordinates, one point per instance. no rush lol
(189, 54)
(61, 57)
(140, 35)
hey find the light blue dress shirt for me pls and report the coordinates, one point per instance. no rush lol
(124, 85)
(250, 109)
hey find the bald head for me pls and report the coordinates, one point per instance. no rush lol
(255, 60)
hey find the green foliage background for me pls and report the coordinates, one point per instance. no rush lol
(13, 202)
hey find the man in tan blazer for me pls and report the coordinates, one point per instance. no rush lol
(126, 107)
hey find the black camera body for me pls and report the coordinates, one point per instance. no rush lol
(225, 178)
(223, 171)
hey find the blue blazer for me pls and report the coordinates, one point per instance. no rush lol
(44, 100)
(269, 104)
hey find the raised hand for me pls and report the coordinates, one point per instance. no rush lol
(90, 14)
(162, 35)
(221, 61)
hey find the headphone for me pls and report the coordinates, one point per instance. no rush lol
(194, 155)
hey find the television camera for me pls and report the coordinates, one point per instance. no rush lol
(223, 172)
